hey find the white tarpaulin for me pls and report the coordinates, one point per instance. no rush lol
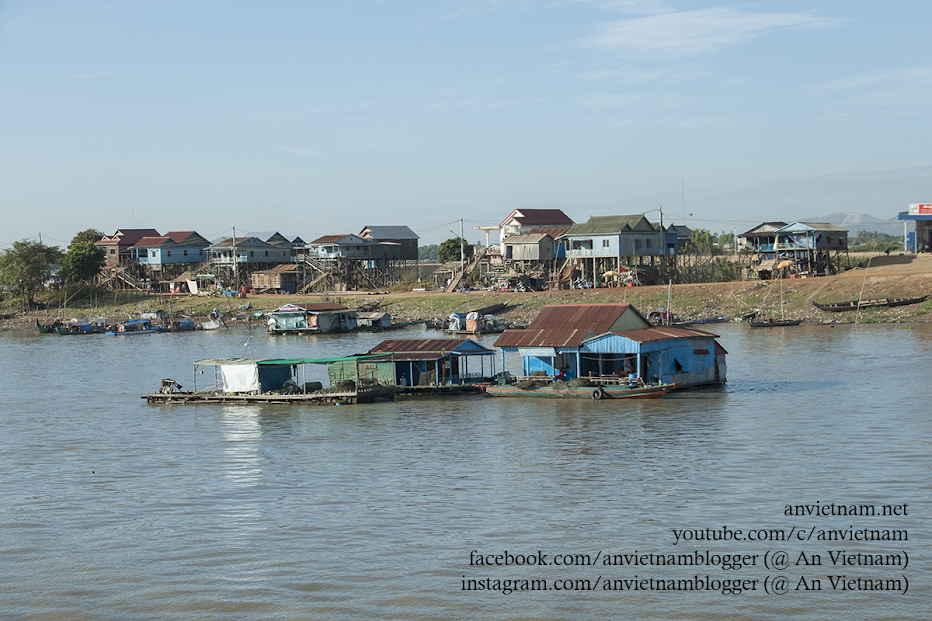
(239, 377)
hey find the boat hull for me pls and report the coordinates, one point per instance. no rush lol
(837, 307)
(581, 392)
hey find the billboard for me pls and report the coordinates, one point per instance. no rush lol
(920, 209)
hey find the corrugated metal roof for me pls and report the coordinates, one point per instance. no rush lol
(604, 225)
(596, 317)
(389, 232)
(553, 231)
(418, 345)
(545, 337)
(662, 333)
(527, 238)
(528, 217)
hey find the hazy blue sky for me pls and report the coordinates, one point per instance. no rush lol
(322, 117)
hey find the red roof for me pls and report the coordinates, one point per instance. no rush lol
(151, 242)
(128, 237)
(179, 236)
(569, 337)
(543, 217)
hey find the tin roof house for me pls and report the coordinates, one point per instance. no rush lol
(600, 340)
(607, 243)
(522, 221)
(406, 239)
(171, 248)
(339, 246)
(118, 247)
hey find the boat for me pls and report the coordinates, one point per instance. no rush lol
(597, 388)
(81, 326)
(183, 325)
(836, 307)
(774, 323)
(133, 326)
(48, 328)
(694, 322)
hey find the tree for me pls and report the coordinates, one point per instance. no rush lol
(26, 266)
(427, 253)
(449, 250)
(89, 235)
(82, 262)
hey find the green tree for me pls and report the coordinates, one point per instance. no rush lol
(88, 235)
(82, 262)
(427, 253)
(449, 250)
(26, 266)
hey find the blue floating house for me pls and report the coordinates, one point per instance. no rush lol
(614, 340)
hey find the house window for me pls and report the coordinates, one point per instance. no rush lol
(637, 244)
(252, 253)
(648, 243)
(169, 253)
(266, 253)
(185, 253)
(113, 251)
(200, 252)
(605, 243)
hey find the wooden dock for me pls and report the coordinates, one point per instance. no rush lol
(364, 395)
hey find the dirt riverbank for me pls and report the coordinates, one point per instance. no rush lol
(894, 276)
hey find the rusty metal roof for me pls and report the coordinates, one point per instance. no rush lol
(596, 317)
(418, 345)
(662, 333)
(545, 337)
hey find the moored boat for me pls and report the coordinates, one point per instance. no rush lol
(133, 326)
(774, 323)
(81, 326)
(625, 389)
(836, 307)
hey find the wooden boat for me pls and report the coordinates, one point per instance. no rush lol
(774, 323)
(623, 390)
(183, 325)
(81, 326)
(48, 328)
(133, 326)
(836, 307)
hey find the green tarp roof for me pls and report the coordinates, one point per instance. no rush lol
(277, 361)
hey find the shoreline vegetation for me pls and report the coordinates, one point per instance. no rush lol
(885, 276)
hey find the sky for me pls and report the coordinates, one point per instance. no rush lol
(318, 117)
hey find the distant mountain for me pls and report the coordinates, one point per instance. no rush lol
(855, 222)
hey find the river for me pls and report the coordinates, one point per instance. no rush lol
(113, 508)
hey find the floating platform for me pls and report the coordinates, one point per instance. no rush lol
(365, 395)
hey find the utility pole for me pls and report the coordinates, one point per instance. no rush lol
(462, 250)
(235, 266)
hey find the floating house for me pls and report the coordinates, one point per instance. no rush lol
(614, 340)
(430, 362)
(321, 317)
(374, 319)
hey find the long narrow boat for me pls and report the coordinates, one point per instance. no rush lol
(47, 328)
(561, 390)
(774, 323)
(836, 307)
(133, 326)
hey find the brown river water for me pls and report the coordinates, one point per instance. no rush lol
(112, 508)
